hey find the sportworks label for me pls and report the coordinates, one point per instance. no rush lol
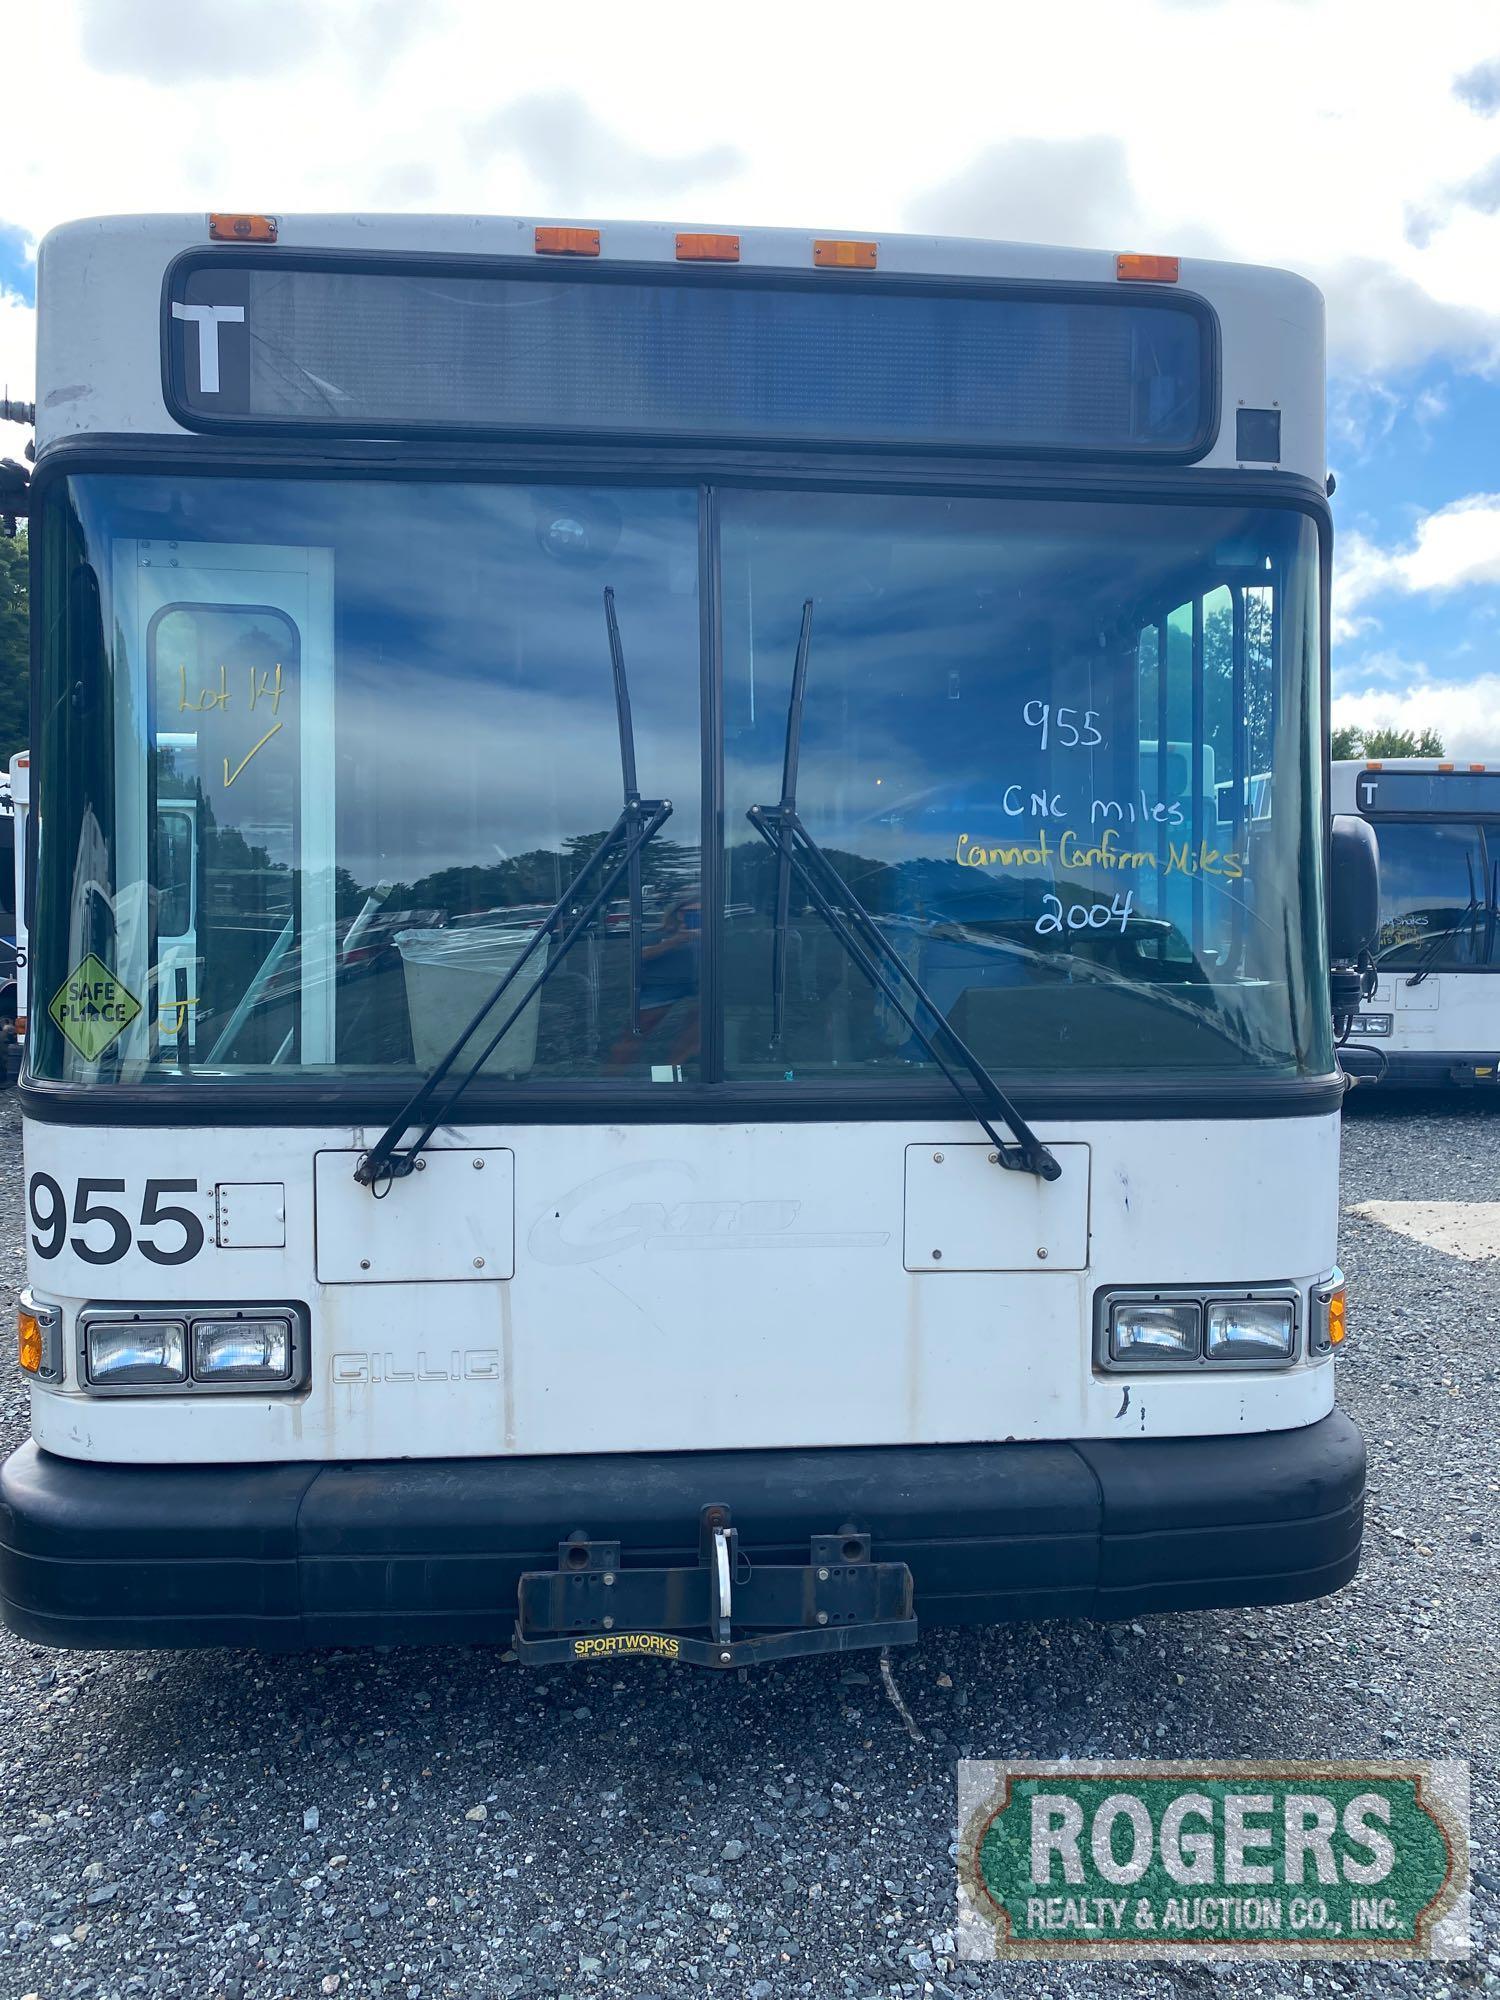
(661, 1645)
(1213, 1860)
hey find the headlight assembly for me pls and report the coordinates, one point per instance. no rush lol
(1181, 1328)
(194, 1350)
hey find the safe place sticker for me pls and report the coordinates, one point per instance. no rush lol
(1213, 1860)
(92, 1008)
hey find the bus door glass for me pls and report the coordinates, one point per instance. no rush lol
(235, 943)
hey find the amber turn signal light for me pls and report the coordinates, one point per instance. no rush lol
(708, 249)
(567, 242)
(842, 254)
(29, 1341)
(1140, 270)
(242, 228)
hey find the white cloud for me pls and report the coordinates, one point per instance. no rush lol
(1038, 191)
(1465, 714)
(570, 153)
(1089, 121)
(1455, 547)
(1381, 319)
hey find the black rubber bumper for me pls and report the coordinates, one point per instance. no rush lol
(413, 1552)
(1420, 1069)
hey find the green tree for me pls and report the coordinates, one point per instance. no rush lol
(15, 655)
(1353, 740)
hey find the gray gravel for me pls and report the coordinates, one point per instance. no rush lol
(447, 1824)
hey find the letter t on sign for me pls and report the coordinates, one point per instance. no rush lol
(208, 320)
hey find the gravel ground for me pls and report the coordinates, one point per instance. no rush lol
(448, 1824)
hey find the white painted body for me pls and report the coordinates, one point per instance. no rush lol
(99, 284)
(683, 1287)
(672, 1287)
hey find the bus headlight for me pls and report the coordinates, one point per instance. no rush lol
(1250, 1329)
(1154, 1330)
(242, 1350)
(39, 1339)
(135, 1353)
(1184, 1328)
(207, 1349)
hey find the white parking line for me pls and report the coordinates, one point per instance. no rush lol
(1468, 1229)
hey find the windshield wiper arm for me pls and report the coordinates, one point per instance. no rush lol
(634, 809)
(1431, 951)
(797, 853)
(638, 821)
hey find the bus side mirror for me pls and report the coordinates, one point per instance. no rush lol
(1353, 916)
(1353, 889)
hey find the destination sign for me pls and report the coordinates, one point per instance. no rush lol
(465, 347)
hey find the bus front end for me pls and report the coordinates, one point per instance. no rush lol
(1431, 1019)
(679, 996)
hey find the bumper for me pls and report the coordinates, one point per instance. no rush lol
(1422, 1069)
(411, 1552)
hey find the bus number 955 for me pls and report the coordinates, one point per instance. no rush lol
(104, 1233)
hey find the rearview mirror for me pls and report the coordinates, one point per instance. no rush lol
(1353, 889)
(1353, 917)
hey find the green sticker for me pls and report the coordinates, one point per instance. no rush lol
(92, 1008)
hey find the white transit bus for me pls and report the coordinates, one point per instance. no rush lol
(15, 805)
(1433, 1015)
(800, 1120)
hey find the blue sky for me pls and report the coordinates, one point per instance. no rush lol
(1295, 132)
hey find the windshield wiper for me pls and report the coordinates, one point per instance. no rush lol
(617, 856)
(1432, 950)
(856, 930)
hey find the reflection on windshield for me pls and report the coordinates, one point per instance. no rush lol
(380, 744)
(331, 753)
(1060, 753)
(1438, 896)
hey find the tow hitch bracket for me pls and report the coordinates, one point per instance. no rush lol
(720, 1612)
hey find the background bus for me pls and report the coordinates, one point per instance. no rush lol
(757, 612)
(15, 796)
(1434, 1017)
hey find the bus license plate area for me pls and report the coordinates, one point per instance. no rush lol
(964, 1212)
(453, 1219)
(720, 1612)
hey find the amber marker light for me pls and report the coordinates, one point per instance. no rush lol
(39, 1339)
(29, 1341)
(1330, 1321)
(242, 228)
(708, 249)
(838, 253)
(567, 242)
(1133, 268)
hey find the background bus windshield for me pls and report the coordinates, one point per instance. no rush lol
(323, 755)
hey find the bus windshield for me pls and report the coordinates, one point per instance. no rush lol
(1438, 893)
(328, 752)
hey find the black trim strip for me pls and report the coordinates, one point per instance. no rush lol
(194, 1100)
(738, 277)
(627, 465)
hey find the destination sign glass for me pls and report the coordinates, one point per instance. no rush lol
(376, 352)
(1433, 794)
